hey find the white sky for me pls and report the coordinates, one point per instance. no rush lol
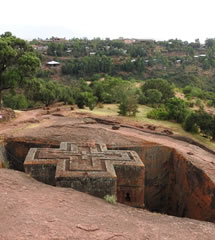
(156, 19)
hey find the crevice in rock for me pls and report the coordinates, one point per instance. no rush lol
(173, 185)
(17, 149)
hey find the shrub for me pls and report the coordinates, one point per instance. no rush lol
(22, 102)
(15, 101)
(153, 96)
(198, 102)
(158, 114)
(100, 105)
(190, 123)
(142, 99)
(177, 109)
(163, 86)
(210, 103)
(110, 199)
(190, 104)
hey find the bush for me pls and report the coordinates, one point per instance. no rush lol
(190, 123)
(43, 73)
(100, 105)
(110, 199)
(86, 99)
(210, 103)
(177, 109)
(15, 101)
(163, 86)
(198, 102)
(153, 96)
(158, 114)
(142, 99)
(190, 104)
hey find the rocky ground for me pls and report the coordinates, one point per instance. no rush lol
(32, 210)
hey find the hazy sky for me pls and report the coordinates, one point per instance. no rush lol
(156, 19)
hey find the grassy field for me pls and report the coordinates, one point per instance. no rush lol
(112, 110)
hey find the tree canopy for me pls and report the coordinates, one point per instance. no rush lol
(17, 61)
(161, 85)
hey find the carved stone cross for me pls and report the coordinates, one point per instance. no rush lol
(90, 168)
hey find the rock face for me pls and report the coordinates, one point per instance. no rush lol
(3, 156)
(173, 185)
(90, 168)
(17, 149)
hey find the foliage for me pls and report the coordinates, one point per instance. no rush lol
(193, 91)
(15, 101)
(190, 123)
(48, 92)
(43, 73)
(142, 99)
(56, 49)
(128, 106)
(158, 114)
(201, 120)
(86, 99)
(153, 96)
(160, 85)
(110, 199)
(88, 65)
(128, 103)
(18, 61)
(175, 109)
(111, 89)
(206, 123)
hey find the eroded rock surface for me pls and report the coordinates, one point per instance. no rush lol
(30, 210)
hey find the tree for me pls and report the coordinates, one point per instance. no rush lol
(128, 104)
(15, 101)
(153, 96)
(206, 122)
(161, 85)
(190, 123)
(177, 109)
(201, 120)
(17, 61)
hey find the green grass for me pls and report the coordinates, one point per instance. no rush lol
(107, 110)
(5, 164)
(141, 117)
(110, 199)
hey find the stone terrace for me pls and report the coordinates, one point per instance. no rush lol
(90, 168)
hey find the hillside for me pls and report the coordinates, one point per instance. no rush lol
(179, 62)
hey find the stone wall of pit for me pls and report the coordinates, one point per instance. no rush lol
(173, 185)
(17, 149)
(3, 156)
